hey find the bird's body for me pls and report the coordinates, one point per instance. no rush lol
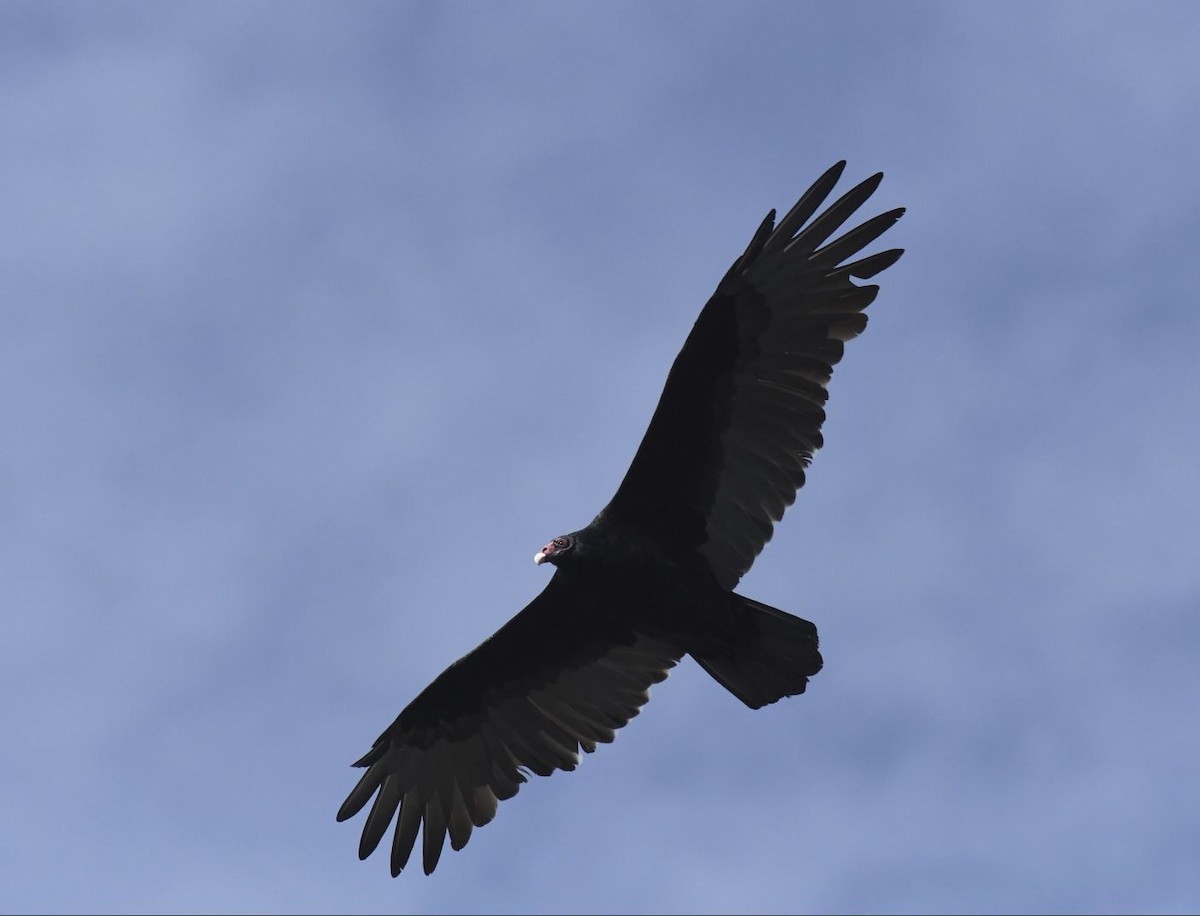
(651, 579)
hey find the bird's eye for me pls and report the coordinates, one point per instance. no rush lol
(562, 543)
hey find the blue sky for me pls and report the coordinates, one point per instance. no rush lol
(320, 319)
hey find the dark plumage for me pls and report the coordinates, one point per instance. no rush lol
(651, 578)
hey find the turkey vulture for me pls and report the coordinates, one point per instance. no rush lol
(651, 579)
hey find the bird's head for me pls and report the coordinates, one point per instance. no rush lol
(556, 550)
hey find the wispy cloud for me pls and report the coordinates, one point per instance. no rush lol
(319, 320)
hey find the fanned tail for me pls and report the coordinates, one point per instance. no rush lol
(771, 655)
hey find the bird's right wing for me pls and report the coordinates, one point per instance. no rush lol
(558, 677)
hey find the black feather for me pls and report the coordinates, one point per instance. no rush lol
(650, 579)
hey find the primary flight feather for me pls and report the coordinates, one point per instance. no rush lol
(651, 578)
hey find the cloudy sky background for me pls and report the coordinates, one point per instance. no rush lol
(319, 320)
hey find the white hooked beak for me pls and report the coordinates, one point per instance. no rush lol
(540, 557)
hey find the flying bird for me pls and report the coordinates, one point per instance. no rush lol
(651, 579)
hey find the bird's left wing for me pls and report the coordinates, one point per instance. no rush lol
(741, 413)
(554, 679)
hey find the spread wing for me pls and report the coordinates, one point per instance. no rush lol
(741, 414)
(559, 676)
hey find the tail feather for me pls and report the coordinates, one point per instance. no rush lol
(769, 654)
